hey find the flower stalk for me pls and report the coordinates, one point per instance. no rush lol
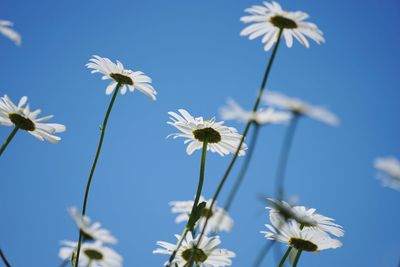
(9, 138)
(3, 257)
(296, 260)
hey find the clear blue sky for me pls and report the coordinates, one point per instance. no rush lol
(193, 52)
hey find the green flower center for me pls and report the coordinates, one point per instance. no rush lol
(282, 22)
(195, 255)
(21, 122)
(206, 213)
(122, 79)
(306, 245)
(93, 254)
(212, 135)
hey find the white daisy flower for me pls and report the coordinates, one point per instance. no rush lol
(218, 221)
(221, 139)
(21, 117)
(233, 111)
(269, 19)
(205, 254)
(307, 239)
(127, 79)
(389, 168)
(91, 231)
(5, 29)
(92, 254)
(307, 217)
(300, 107)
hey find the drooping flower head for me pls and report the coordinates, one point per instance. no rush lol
(7, 31)
(269, 19)
(93, 254)
(21, 117)
(389, 168)
(218, 221)
(220, 138)
(233, 111)
(91, 231)
(127, 79)
(300, 107)
(204, 254)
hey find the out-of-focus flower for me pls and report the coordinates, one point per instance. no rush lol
(389, 168)
(7, 31)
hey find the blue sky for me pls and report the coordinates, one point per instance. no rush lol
(197, 59)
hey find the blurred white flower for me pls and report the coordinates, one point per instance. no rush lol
(269, 19)
(306, 217)
(91, 231)
(127, 79)
(300, 107)
(21, 117)
(218, 221)
(92, 254)
(7, 31)
(205, 254)
(389, 168)
(233, 111)
(220, 138)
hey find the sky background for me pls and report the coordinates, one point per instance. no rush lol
(193, 52)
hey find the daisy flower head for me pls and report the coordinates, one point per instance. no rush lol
(7, 31)
(306, 239)
(91, 231)
(218, 221)
(268, 20)
(279, 210)
(389, 174)
(23, 118)
(299, 107)
(220, 138)
(125, 78)
(204, 254)
(92, 254)
(233, 111)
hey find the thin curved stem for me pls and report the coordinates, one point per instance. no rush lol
(246, 130)
(285, 256)
(103, 130)
(9, 138)
(284, 157)
(196, 201)
(296, 260)
(263, 252)
(3, 257)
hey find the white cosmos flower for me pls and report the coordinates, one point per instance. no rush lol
(206, 254)
(218, 221)
(91, 254)
(300, 107)
(307, 217)
(5, 29)
(128, 79)
(389, 168)
(91, 231)
(307, 239)
(221, 139)
(267, 20)
(21, 117)
(233, 111)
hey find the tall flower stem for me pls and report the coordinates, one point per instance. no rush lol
(285, 256)
(103, 130)
(246, 130)
(196, 200)
(264, 251)
(9, 138)
(296, 260)
(284, 157)
(3, 257)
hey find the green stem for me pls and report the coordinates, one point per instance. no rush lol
(103, 130)
(246, 130)
(285, 256)
(3, 257)
(263, 252)
(196, 200)
(9, 138)
(296, 260)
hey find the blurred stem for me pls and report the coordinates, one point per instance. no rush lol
(9, 138)
(246, 130)
(3, 257)
(263, 252)
(281, 264)
(196, 200)
(296, 260)
(103, 130)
